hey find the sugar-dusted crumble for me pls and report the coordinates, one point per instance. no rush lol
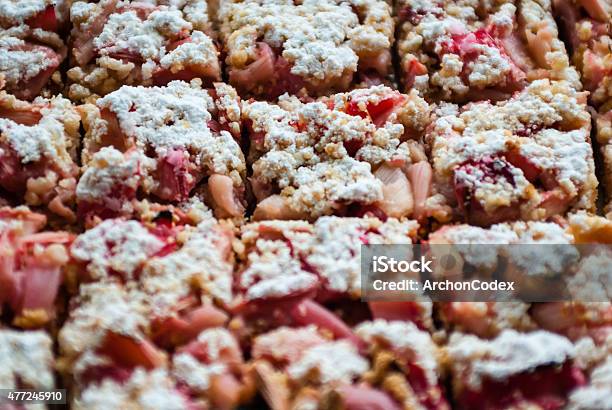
(525, 158)
(161, 142)
(511, 353)
(470, 51)
(348, 154)
(31, 47)
(27, 360)
(129, 43)
(320, 46)
(284, 258)
(39, 142)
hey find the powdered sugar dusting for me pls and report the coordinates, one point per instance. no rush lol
(115, 245)
(508, 354)
(329, 362)
(27, 359)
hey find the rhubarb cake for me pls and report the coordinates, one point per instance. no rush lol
(160, 143)
(526, 158)
(302, 367)
(350, 154)
(470, 51)
(39, 144)
(148, 289)
(508, 247)
(314, 46)
(117, 43)
(293, 272)
(32, 46)
(514, 370)
(587, 28)
(283, 259)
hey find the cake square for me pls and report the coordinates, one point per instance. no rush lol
(117, 43)
(275, 47)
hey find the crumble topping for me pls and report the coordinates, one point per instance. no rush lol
(506, 233)
(273, 268)
(197, 374)
(517, 235)
(20, 62)
(127, 32)
(201, 266)
(273, 271)
(108, 167)
(407, 339)
(171, 139)
(200, 50)
(201, 262)
(547, 125)
(216, 340)
(487, 319)
(541, 105)
(27, 358)
(153, 390)
(195, 11)
(468, 235)
(553, 257)
(228, 103)
(194, 373)
(176, 116)
(303, 151)
(345, 180)
(565, 152)
(335, 254)
(103, 306)
(322, 40)
(593, 280)
(329, 362)
(331, 246)
(508, 354)
(40, 153)
(163, 117)
(471, 237)
(33, 142)
(115, 245)
(18, 11)
(139, 44)
(280, 344)
(450, 49)
(54, 137)
(512, 315)
(30, 56)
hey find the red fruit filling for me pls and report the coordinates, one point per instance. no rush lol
(491, 170)
(378, 112)
(547, 387)
(45, 20)
(174, 176)
(269, 69)
(465, 45)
